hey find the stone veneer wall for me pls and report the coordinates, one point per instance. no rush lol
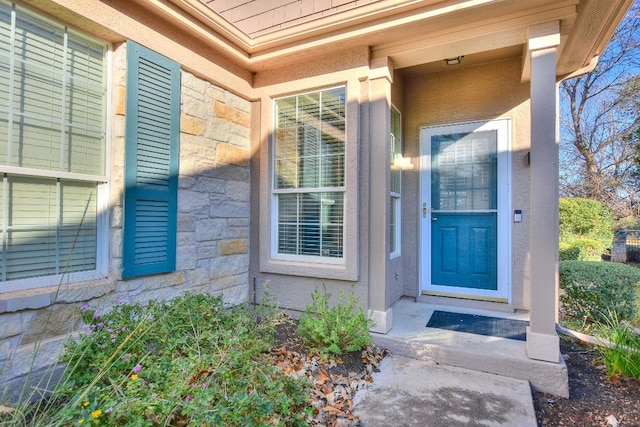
(213, 229)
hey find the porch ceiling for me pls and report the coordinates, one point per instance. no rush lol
(262, 35)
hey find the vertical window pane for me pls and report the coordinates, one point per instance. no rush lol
(396, 150)
(53, 82)
(395, 181)
(52, 118)
(309, 156)
(311, 224)
(51, 227)
(393, 226)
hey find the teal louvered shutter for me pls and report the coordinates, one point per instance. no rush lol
(151, 163)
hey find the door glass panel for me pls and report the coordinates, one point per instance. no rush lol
(464, 170)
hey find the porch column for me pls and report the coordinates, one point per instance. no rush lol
(542, 340)
(379, 158)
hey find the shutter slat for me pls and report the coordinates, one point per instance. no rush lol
(151, 162)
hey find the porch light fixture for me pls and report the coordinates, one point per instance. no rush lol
(454, 61)
(402, 163)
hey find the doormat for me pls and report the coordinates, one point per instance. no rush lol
(480, 325)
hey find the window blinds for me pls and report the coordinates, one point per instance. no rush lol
(52, 120)
(309, 173)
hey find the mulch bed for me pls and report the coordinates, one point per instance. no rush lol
(335, 381)
(594, 399)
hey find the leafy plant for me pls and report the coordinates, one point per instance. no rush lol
(586, 228)
(623, 358)
(334, 330)
(187, 361)
(582, 249)
(590, 290)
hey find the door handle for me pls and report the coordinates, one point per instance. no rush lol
(424, 210)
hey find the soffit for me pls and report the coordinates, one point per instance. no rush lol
(410, 32)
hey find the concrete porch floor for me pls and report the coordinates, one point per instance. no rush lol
(410, 337)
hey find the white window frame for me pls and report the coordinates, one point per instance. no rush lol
(276, 192)
(101, 181)
(316, 267)
(395, 198)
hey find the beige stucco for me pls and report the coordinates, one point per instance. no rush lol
(463, 94)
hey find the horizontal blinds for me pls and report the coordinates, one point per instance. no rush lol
(5, 72)
(50, 227)
(394, 208)
(52, 118)
(311, 224)
(465, 168)
(309, 155)
(310, 135)
(53, 99)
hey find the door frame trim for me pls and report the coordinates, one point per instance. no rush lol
(503, 293)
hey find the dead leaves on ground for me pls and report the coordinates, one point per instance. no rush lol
(332, 394)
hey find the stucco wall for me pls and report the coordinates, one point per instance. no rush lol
(465, 94)
(212, 231)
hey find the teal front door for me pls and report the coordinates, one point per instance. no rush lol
(460, 211)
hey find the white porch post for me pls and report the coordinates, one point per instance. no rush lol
(542, 340)
(379, 157)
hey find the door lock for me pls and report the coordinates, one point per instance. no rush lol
(424, 210)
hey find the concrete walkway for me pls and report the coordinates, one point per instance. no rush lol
(410, 337)
(409, 392)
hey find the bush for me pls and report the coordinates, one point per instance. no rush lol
(591, 290)
(585, 218)
(189, 361)
(334, 330)
(581, 250)
(623, 358)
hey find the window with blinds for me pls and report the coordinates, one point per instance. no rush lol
(309, 175)
(52, 146)
(395, 146)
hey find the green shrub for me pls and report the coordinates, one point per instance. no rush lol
(189, 361)
(623, 358)
(585, 218)
(581, 250)
(590, 290)
(334, 330)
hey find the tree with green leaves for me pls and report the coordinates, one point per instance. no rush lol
(586, 228)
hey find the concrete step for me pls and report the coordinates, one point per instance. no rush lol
(410, 337)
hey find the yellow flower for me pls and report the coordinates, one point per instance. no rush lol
(85, 404)
(134, 377)
(96, 413)
(80, 421)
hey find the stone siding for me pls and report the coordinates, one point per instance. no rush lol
(212, 228)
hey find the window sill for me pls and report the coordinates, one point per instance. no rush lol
(33, 299)
(310, 269)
